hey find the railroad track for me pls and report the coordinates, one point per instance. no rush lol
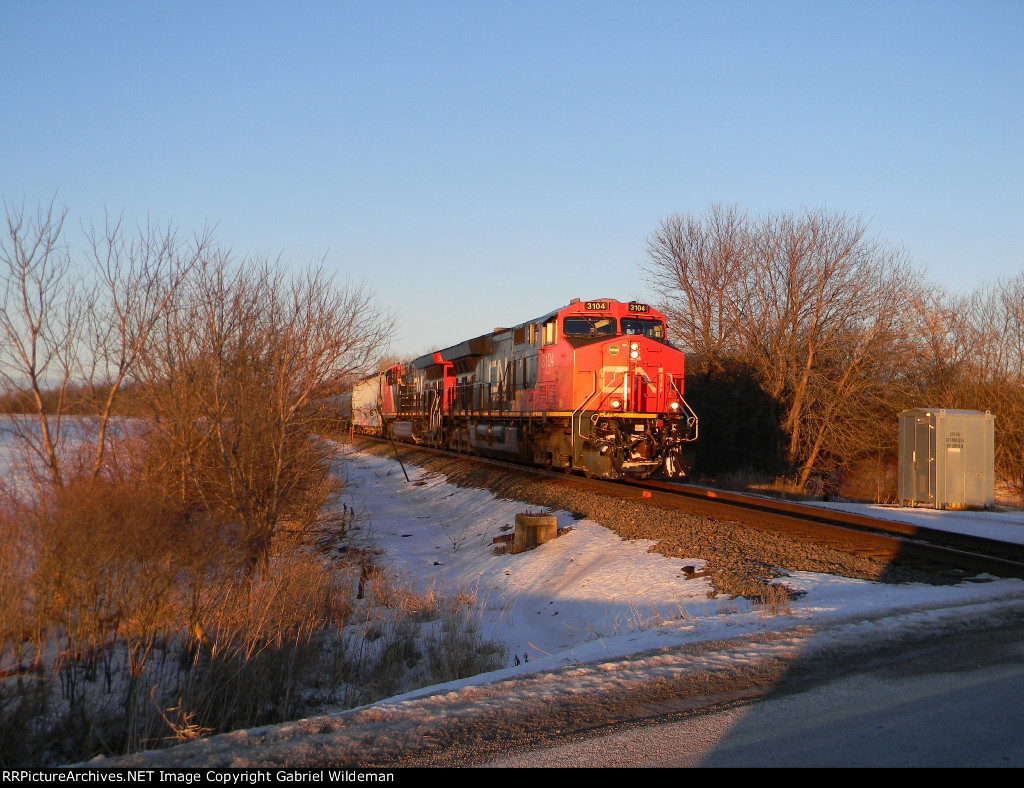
(878, 538)
(889, 538)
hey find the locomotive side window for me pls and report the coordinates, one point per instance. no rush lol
(549, 332)
(525, 335)
(654, 329)
(589, 326)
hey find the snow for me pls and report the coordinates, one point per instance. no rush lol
(586, 612)
(1003, 526)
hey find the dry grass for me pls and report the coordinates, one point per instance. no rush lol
(753, 481)
(1008, 496)
(871, 481)
(420, 636)
(128, 623)
(775, 600)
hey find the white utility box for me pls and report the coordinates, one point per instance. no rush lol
(947, 458)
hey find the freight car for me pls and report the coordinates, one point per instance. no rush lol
(594, 386)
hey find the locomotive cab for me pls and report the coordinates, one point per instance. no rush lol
(623, 382)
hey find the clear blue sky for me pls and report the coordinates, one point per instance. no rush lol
(483, 162)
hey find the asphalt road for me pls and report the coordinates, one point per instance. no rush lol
(950, 702)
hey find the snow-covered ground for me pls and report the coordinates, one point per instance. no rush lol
(583, 613)
(589, 595)
(1003, 526)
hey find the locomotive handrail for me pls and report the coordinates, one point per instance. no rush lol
(691, 419)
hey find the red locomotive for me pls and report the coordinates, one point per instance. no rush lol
(593, 386)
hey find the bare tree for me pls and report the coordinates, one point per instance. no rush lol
(73, 333)
(240, 383)
(809, 302)
(1009, 405)
(972, 356)
(942, 336)
(696, 263)
(41, 312)
(825, 318)
(138, 275)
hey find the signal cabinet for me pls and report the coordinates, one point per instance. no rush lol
(947, 458)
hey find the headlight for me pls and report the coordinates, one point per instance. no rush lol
(634, 345)
(674, 405)
(634, 350)
(616, 403)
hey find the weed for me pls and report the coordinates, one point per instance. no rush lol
(455, 534)
(775, 600)
(727, 607)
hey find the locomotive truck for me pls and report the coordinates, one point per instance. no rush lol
(594, 386)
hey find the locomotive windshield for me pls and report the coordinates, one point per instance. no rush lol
(654, 329)
(589, 326)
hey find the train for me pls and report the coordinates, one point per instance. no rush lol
(593, 387)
